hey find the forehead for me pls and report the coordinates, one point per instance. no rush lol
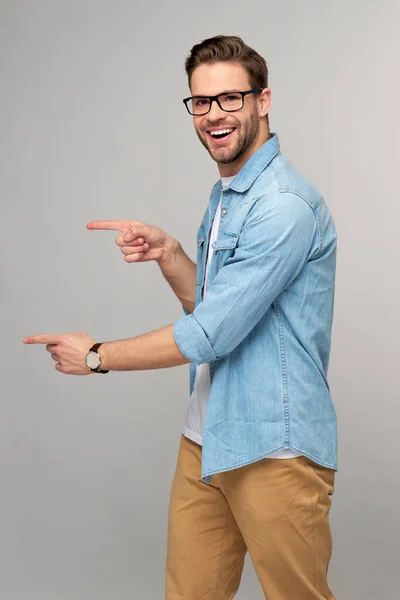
(209, 80)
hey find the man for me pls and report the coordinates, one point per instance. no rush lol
(258, 453)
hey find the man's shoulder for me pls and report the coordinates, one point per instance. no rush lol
(280, 179)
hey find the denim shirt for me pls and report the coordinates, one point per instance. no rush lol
(265, 324)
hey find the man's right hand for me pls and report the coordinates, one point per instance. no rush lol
(140, 242)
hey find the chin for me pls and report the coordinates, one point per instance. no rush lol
(223, 158)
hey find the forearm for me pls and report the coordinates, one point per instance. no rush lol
(154, 350)
(180, 272)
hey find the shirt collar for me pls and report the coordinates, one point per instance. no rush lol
(256, 164)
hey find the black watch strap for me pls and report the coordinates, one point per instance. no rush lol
(94, 348)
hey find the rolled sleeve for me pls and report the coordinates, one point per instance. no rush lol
(192, 340)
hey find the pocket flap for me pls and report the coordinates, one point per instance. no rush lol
(226, 240)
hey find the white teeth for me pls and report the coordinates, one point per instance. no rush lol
(221, 131)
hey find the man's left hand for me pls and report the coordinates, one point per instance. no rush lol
(68, 350)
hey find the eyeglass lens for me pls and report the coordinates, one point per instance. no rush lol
(229, 102)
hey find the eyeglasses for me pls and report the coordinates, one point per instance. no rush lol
(228, 102)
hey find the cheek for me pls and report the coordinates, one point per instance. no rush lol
(248, 124)
(198, 124)
(200, 134)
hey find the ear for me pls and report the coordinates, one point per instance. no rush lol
(265, 102)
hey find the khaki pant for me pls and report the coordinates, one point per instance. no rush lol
(277, 509)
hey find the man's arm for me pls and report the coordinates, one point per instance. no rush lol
(154, 350)
(278, 238)
(180, 272)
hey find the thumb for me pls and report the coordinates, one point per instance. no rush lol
(135, 229)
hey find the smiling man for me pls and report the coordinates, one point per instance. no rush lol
(258, 451)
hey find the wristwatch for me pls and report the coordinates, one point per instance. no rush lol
(93, 359)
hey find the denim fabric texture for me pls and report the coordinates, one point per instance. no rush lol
(265, 324)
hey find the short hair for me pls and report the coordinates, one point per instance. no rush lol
(228, 48)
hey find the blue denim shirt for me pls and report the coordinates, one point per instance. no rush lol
(265, 324)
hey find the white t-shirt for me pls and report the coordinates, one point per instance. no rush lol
(197, 407)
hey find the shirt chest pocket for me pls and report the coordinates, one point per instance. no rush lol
(226, 241)
(224, 247)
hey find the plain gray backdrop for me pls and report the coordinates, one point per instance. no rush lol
(93, 127)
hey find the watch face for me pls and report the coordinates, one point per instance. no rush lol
(93, 360)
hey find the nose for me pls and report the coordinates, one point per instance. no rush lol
(216, 113)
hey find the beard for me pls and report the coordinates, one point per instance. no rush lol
(246, 136)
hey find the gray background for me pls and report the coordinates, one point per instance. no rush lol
(93, 127)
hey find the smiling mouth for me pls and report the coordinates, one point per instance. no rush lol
(222, 134)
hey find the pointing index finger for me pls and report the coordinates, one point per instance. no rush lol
(42, 339)
(107, 225)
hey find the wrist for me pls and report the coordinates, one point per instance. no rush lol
(172, 249)
(94, 359)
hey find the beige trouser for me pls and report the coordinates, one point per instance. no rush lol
(277, 509)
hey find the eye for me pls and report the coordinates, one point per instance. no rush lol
(232, 98)
(201, 101)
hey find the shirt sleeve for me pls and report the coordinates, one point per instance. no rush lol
(278, 237)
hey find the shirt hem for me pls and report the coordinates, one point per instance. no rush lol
(206, 476)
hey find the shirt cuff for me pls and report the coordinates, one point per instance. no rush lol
(192, 340)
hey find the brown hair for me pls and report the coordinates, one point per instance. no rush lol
(228, 48)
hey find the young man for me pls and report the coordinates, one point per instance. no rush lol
(258, 453)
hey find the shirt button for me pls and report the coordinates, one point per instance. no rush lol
(224, 211)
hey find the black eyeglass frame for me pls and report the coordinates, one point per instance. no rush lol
(216, 98)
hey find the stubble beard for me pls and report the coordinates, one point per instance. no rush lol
(246, 138)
